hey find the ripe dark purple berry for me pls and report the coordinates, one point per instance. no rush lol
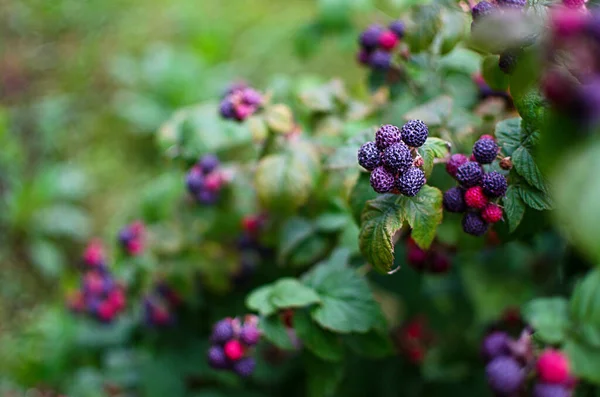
(397, 158)
(380, 60)
(495, 345)
(411, 182)
(369, 38)
(194, 180)
(482, 9)
(469, 174)
(548, 390)
(473, 224)
(455, 161)
(485, 150)
(222, 332)
(226, 109)
(414, 133)
(505, 376)
(508, 61)
(454, 200)
(216, 358)
(245, 366)
(369, 156)
(387, 135)
(494, 184)
(208, 163)
(514, 4)
(398, 28)
(250, 335)
(381, 180)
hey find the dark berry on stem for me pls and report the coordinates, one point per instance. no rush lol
(494, 184)
(222, 332)
(370, 37)
(455, 161)
(194, 180)
(548, 390)
(381, 180)
(414, 133)
(369, 156)
(411, 182)
(482, 9)
(454, 200)
(440, 263)
(208, 163)
(380, 60)
(397, 158)
(469, 174)
(245, 367)
(398, 28)
(495, 345)
(485, 150)
(473, 224)
(505, 376)
(386, 136)
(216, 358)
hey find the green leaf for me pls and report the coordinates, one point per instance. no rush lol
(374, 344)
(514, 208)
(48, 258)
(361, 193)
(584, 359)
(534, 198)
(433, 148)
(508, 135)
(275, 332)
(549, 317)
(260, 300)
(347, 303)
(434, 112)
(585, 308)
(494, 77)
(323, 377)
(423, 213)
(324, 344)
(525, 166)
(293, 233)
(279, 118)
(422, 27)
(330, 222)
(289, 292)
(285, 181)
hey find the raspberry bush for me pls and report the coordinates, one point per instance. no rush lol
(429, 231)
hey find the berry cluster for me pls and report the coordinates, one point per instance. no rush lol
(205, 180)
(571, 82)
(435, 260)
(100, 295)
(232, 344)
(414, 339)
(159, 305)
(479, 190)
(377, 43)
(390, 158)
(131, 238)
(509, 361)
(250, 248)
(240, 102)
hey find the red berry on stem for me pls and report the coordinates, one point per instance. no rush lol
(474, 198)
(492, 213)
(234, 350)
(553, 366)
(388, 40)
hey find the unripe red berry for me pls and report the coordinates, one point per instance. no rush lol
(474, 198)
(234, 350)
(553, 367)
(388, 40)
(492, 213)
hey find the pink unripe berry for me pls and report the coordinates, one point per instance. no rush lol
(475, 198)
(213, 181)
(106, 311)
(492, 213)
(553, 367)
(135, 247)
(388, 40)
(234, 350)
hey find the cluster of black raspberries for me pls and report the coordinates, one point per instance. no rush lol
(205, 180)
(240, 102)
(478, 189)
(508, 57)
(232, 343)
(390, 158)
(377, 43)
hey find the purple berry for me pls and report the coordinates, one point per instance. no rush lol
(495, 345)
(485, 150)
(217, 358)
(194, 180)
(370, 37)
(207, 197)
(454, 200)
(387, 135)
(363, 57)
(245, 366)
(469, 174)
(398, 28)
(222, 332)
(381, 180)
(380, 60)
(252, 97)
(586, 106)
(208, 163)
(250, 335)
(126, 235)
(226, 109)
(482, 9)
(397, 158)
(455, 161)
(473, 224)
(548, 390)
(514, 4)
(369, 156)
(411, 182)
(494, 184)
(414, 133)
(505, 376)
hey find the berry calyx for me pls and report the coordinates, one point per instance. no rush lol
(492, 213)
(474, 198)
(553, 367)
(233, 350)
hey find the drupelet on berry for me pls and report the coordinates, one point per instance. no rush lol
(381, 180)
(414, 133)
(473, 224)
(454, 200)
(494, 184)
(485, 150)
(411, 182)
(482, 9)
(469, 174)
(397, 158)
(505, 376)
(387, 135)
(369, 157)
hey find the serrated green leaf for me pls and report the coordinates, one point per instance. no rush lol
(549, 317)
(361, 193)
(260, 300)
(534, 198)
(423, 213)
(525, 166)
(508, 135)
(275, 332)
(324, 344)
(432, 113)
(289, 292)
(433, 148)
(514, 208)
